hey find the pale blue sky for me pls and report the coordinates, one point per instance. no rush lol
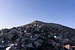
(19, 12)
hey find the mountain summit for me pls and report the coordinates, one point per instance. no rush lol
(37, 36)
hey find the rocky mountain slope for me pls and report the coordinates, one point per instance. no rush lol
(36, 36)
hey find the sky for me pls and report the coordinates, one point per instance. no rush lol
(19, 12)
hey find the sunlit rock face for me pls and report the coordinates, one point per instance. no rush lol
(36, 36)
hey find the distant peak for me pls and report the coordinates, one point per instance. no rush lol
(37, 21)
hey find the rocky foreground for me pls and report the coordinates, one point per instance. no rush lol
(37, 36)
